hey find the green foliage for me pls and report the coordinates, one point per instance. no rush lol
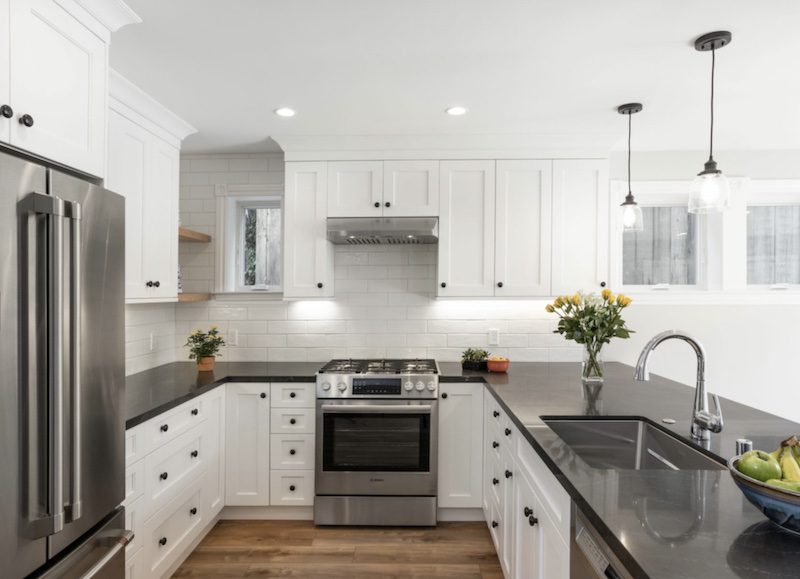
(204, 344)
(474, 355)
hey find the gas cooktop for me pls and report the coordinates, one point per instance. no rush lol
(380, 366)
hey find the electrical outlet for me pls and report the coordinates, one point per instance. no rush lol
(494, 337)
(152, 342)
(233, 338)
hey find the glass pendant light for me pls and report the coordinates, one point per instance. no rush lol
(710, 189)
(631, 213)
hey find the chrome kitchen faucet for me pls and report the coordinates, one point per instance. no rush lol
(703, 421)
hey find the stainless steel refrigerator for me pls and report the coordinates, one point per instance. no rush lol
(62, 378)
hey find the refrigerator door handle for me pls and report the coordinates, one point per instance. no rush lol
(53, 208)
(72, 211)
(118, 542)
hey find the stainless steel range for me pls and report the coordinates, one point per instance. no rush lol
(376, 441)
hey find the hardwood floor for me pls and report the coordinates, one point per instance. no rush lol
(299, 549)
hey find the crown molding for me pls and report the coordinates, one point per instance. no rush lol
(113, 14)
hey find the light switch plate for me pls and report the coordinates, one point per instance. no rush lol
(494, 337)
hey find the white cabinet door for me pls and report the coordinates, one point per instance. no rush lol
(554, 550)
(527, 544)
(466, 229)
(411, 188)
(214, 484)
(160, 237)
(460, 445)
(5, 93)
(307, 253)
(58, 76)
(128, 150)
(522, 237)
(247, 444)
(355, 189)
(580, 225)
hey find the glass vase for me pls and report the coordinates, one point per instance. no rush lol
(592, 369)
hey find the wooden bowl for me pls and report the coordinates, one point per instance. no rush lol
(497, 365)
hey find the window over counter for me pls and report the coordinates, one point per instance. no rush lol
(773, 234)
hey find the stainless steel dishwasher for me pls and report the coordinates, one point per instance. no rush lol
(590, 557)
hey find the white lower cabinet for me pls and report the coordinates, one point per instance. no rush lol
(460, 445)
(291, 488)
(247, 444)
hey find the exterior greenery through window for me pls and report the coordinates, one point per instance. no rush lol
(259, 263)
(665, 252)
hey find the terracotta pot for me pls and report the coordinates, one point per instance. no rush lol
(205, 364)
(497, 365)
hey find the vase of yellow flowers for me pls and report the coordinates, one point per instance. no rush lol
(591, 320)
(204, 347)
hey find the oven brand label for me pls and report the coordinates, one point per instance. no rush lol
(376, 480)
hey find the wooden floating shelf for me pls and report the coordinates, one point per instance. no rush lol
(192, 236)
(189, 297)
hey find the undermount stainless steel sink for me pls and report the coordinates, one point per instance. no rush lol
(629, 445)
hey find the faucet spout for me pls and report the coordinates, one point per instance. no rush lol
(703, 421)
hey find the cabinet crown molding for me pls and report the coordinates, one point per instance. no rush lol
(124, 92)
(113, 14)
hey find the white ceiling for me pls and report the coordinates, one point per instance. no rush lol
(523, 67)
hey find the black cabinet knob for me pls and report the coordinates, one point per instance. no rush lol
(162, 541)
(149, 284)
(194, 454)
(499, 284)
(533, 521)
(444, 394)
(319, 285)
(495, 524)
(443, 284)
(193, 511)
(195, 411)
(495, 414)
(495, 481)
(292, 421)
(602, 284)
(387, 204)
(6, 111)
(377, 204)
(163, 476)
(164, 427)
(291, 488)
(263, 394)
(156, 284)
(495, 444)
(509, 474)
(508, 431)
(292, 452)
(527, 511)
(26, 120)
(293, 395)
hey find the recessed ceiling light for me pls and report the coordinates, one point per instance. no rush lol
(284, 112)
(456, 111)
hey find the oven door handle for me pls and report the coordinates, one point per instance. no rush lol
(377, 408)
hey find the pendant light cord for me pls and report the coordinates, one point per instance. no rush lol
(711, 139)
(629, 154)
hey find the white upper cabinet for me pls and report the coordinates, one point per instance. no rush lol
(307, 253)
(355, 189)
(580, 225)
(144, 167)
(7, 112)
(466, 229)
(411, 188)
(523, 234)
(460, 445)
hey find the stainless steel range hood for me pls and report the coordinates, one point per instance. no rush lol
(383, 230)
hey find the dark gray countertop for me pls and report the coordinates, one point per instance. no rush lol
(661, 524)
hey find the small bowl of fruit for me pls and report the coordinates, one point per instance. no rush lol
(771, 481)
(497, 364)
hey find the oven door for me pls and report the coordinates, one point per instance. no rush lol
(376, 447)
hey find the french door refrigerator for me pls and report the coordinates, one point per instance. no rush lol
(62, 431)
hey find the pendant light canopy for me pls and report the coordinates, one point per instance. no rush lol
(632, 219)
(710, 189)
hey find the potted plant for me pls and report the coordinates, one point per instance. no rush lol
(204, 347)
(474, 359)
(591, 320)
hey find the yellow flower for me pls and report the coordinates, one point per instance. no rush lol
(557, 302)
(576, 299)
(626, 302)
(607, 294)
(549, 308)
(621, 299)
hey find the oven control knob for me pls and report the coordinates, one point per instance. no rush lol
(409, 385)
(431, 385)
(341, 386)
(420, 386)
(326, 386)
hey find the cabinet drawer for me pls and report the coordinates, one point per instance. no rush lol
(169, 469)
(292, 451)
(494, 472)
(495, 523)
(293, 394)
(167, 535)
(134, 444)
(292, 420)
(171, 424)
(134, 482)
(291, 488)
(134, 520)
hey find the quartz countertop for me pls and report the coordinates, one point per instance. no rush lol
(661, 524)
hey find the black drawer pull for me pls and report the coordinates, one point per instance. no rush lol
(291, 488)
(156, 284)
(495, 444)
(292, 421)
(263, 395)
(444, 395)
(496, 414)
(495, 524)
(26, 120)
(443, 284)
(320, 285)
(195, 411)
(193, 511)
(162, 541)
(292, 452)
(6, 111)
(532, 521)
(495, 481)
(387, 204)
(293, 395)
(509, 474)
(163, 476)
(164, 427)
(194, 454)
(377, 204)
(527, 511)
(508, 432)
